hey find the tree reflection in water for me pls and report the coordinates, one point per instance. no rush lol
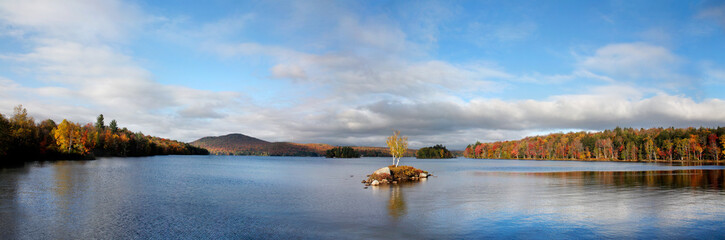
(709, 179)
(396, 203)
(397, 207)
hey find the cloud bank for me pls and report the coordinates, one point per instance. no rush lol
(350, 80)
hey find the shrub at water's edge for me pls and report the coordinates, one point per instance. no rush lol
(23, 140)
(342, 152)
(434, 152)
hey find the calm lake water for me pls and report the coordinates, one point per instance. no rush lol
(181, 197)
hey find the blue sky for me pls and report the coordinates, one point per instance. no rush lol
(348, 72)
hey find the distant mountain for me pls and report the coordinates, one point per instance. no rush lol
(240, 144)
(234, 143)
(231, 140)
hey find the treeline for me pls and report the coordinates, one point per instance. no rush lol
(373, 153)
(682, 145)
(342, 152)
(23, 140)
(437, 152)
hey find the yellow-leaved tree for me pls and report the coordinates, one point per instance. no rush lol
(398, 146)
(68, 137)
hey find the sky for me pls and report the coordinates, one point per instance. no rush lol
(349, 72)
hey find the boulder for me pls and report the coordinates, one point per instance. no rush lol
(423, 175)
(375, 183)
(383, 181)
(382, 170)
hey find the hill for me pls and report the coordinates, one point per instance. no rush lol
(236, 138)
(240, 144)
(231, 144)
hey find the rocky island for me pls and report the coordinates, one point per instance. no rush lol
(394, 175)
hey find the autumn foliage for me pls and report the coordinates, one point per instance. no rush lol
(675, 145)
(21, 140)
(397, 173)
(398, 146)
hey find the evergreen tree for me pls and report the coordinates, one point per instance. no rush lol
(99, 123)
(113, 126)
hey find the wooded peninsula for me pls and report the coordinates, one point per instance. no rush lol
(342, 152)
(686, 146)
(435, 152)
(22, 140)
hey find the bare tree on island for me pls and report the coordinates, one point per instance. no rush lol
(398, 146)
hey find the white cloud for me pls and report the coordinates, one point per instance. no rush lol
(633, 61)
(94, 79)
(375, 34)
(580, 74)
(81, 20)
(613, 106)
(288, 71)
(355, 75)
(82, 73)
(716, 13)
(458, 123)
(95, 73)
(183, 31)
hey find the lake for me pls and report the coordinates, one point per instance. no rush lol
(181, 197)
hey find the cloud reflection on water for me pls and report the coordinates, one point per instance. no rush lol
(610, 203)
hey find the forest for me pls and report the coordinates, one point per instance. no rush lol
(687, 146)
(342, 152)
(438, 151)
(23, 140)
